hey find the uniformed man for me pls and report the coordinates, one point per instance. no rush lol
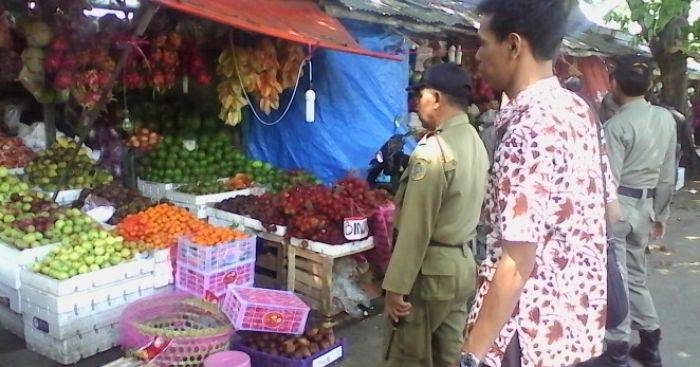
(432, 271)
(642, 150)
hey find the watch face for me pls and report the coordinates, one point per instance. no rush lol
(467, 360)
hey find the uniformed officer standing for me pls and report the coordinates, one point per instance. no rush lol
(432, 271)
(642, 150)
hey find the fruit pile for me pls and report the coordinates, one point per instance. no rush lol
(160, 225)
(46, 169)
(10, 184)
(311, 212)
(175, 160)
(30, 220)
(84, 252)
(265, 71)
(297, 347)
(144, 139)
(211, 236)
(13, 152)
(126, 201)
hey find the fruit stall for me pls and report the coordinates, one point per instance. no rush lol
(135, 215)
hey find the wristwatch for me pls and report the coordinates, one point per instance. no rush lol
(469, 360)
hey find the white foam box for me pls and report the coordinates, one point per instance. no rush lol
(73, 349)
(14, 259)
(334, 250)
(83, 282)
(200, 211)
(11, 321)
(10, 297)
(90, 301)
(163, 274)
(236, 219)
(155, 190)
(191, 199)
(81, 319)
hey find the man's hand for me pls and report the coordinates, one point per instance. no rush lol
(395, 306)
(658, 230)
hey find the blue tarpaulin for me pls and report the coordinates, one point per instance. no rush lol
(358, 100)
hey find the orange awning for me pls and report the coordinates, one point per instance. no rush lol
(299, 21)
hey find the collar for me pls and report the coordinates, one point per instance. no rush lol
(536, 88)
(634, 104)
(456, 120)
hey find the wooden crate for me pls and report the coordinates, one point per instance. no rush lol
(272, 263)
(310, 275)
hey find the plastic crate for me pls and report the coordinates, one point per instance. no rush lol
(73, 349)
(205, 285)
(11, 321)
(209, 259)
(155, 190)
(328, 357)
(259, 309)
(113, 274)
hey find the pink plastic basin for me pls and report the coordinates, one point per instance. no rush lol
(227, 359)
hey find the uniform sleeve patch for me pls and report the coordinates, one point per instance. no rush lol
(419, 169)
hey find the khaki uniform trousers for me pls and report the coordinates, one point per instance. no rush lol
(630, 238)
(433, 334)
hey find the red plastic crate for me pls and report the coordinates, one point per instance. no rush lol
(258, 309)
(214, 284)
(208, 259)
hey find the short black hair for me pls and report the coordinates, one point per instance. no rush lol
(633, 74)
(461, 102)
(541, 22)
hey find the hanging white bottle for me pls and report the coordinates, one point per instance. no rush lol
(310, 97)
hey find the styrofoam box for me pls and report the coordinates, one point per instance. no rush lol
(83, 282)
(191, 199)
(248, 222)
(80, 320)
(334, 250)
(72, 349)
(155, 190)
(87, 301)
(13, 259)
(11, 321)
(162, 255)
(163, 274)
(65, 196)
(11, 298)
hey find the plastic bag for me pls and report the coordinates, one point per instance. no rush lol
(381, 225)
(11, 117)
(34, 135)
(98, 208)
(346, 288)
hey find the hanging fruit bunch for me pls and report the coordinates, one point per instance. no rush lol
(163, 60)
(263, 71)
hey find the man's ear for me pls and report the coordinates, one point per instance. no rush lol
(515, 44)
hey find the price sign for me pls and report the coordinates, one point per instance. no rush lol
(355, 228)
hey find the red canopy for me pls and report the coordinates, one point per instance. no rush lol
(299, 21)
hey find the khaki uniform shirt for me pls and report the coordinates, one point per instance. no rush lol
(641, 142)
(439, 199)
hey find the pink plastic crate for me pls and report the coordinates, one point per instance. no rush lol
(214, 284)
(208, 259)
(258, 309)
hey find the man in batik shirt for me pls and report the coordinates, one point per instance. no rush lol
(541, 298)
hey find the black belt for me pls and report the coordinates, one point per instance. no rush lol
(440, 244)
(635, 193)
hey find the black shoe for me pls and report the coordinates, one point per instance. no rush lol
(647, 352)
(614, 356)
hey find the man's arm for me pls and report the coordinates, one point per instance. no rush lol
(616, 149)
(418, 217)
(512, 273)
(667, 180)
